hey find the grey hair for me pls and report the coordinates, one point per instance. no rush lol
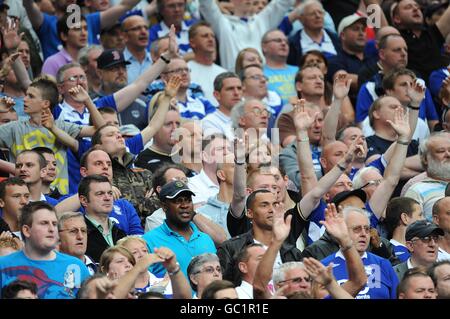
(349, 209)
(238, 111)
(196, 264)
(279, 274)
(358, 180)
(63, 69)
(66, 216)
(425, 143)
(83, 55)
(302, 7)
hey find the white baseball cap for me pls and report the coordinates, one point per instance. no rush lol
(349, 20)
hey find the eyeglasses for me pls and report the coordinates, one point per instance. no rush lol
(428, 239)
(179, 70)
(296, 280)
(259, 112)
(210, 270)
(258, 77)
(278, 40)
(76, 78)
(75, 231)
(359, 229)
(375, 182)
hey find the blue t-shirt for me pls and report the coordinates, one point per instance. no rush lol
(282, 81)
(163, 236)
(125, 217)
(381, 278)
(48, 33)
(56, 279)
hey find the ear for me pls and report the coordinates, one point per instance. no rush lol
(410, 246)
(193, 279)
(83, 200)
(158, 189)
(43, 172)
(401, 295)
(298, 86)
(83, 171)
(249, 213)
(26, 230)
(396, 20)
(242, 121)
(404, 218)
(323, 162)
(376, 114)
(381, 54)
(216, 95)
(221, 175)
(2, 203)
(46, 104)
(327, 197)
(435, 217)
(243, 267)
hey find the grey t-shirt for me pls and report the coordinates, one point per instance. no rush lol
(21, 135)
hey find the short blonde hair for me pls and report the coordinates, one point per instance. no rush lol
(108, 254)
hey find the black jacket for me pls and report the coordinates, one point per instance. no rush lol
(96, 243)
(326, 245)
(229, 250)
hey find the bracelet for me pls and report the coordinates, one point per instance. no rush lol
(166, 60)
(347, 247)
(403, 142)
(415, 108)
(176, 271)
(237, 163)
(303, 139)
(342, 168)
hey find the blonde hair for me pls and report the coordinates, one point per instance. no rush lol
(108, 255)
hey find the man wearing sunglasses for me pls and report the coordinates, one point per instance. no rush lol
(422, 241)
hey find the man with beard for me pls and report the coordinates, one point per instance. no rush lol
(435, 158)
(178, 230)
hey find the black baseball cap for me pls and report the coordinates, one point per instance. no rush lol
(3, 5)
(340, 197)
(110, 58)
(422, 229)
(173, 189)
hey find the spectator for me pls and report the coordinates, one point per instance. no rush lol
(440, 218)
(87, 58)
(439, 271)
(228, 92)
(247, 262)
(73, 238)
(20, 289)
(61, 275)
(220, 289)
(203, 270)
(203, 69)
(14, 195)
(416, 284)
(95, 196)
(422, 242)
(50, 176)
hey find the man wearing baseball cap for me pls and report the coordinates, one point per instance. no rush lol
(178, 231)
(421, 240)
(352, 34)
(112, 71)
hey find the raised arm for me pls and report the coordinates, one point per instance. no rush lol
(70, 204)
(341, 87)
(382, 194)
(128, 94)
(110, 16)
(443, 24)
(80, 95)
(34, 14)
(281, 228)
(180, 286)
(240, 176)
(48, 122)
(163, 104)
(336, 227)
(312, 198)
(302, 122)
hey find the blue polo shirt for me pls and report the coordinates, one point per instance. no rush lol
(381, 278)
(163, 236)
(48, 33)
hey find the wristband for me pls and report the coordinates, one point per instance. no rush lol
(403, 142)
(176, 271)
(166, 60)
(237, 163)
(415, 108)
(303, 139)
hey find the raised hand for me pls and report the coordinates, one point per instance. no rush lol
(239, 150)
(168, 258)
(148, 260)
(172, 86)
(356, 150)
(11, 38)
(7, 64)
(400, 123)
(79, 94)
(318, 272)
(47, 119)
(281, 226)
(302, 120)
(416, 93)
(105, 287)
(173, 45)
(335, 225)
(341, 86)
